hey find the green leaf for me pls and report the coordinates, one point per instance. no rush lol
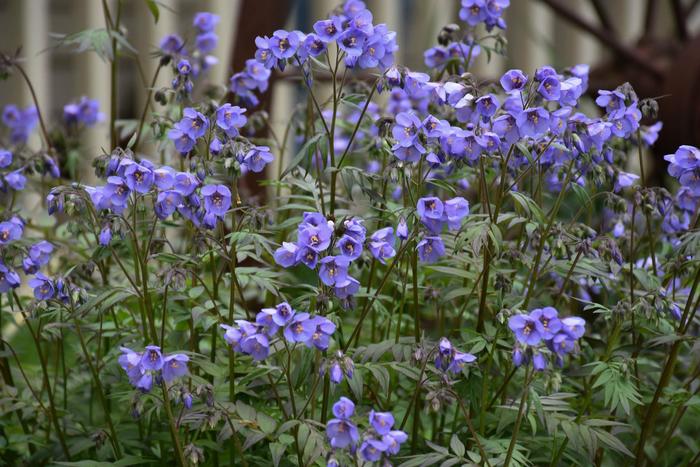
(457, 446)
(277, 451)
(153, 7)
(305, 150)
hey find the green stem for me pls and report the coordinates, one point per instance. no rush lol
(519, 418)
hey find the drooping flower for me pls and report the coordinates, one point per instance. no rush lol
(44, 288)
(430, 249)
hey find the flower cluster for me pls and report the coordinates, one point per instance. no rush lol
(450, 359)
(379, 441)
(84, 112)
(338, 366)
(316, 236)
(360, 43)
(145, 368)
(489, 12)
(434, 214)
(189, 64)
(169, 190)
(542, 325)
(255, 338)
(685, 166)
(20, 122)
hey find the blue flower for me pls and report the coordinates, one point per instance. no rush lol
(350, 247)
(430, 249)
(43, 287)
(513, 80)
(174, 366)
(525, 329)
(217, 199)
(9, 279)
(205, 22)
(10, 231)
(257, 158)
(333, 269)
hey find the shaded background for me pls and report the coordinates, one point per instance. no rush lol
(652, 43)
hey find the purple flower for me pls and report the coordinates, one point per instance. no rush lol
(257, 346)
(171, 44)
(533, 122)
(518, 356)
(317, 238)
(182, 141)
(354, 227)
(313, 45)
(16, 180)
(105, 237)
(550, 88)
(352, 42)
(393, 441)
(39, 255)
(513, 80)
(525, 329)
(563, 343)
(333, 269)
(43, 287)
(350, 247)
(406, 129)
(382, 244)
(456, 209)
(574, 326)
(300, 329)
(9, 279)
(205, 22)
(459, 360)
(10, 231)
(430, 208)
(473, 12)
(174, 366)
(347, 288)
(372, 450)
(335, 373)
(308, 256)
(5, 158)
(402, 229)
(281, 314)
(624, 180)
(184, 67)
(430, 249)
(206, 42)
(329, 29)
(138, 178)
(382, 422)
(130, 362)
(193, 123)
(323, 330)
(232, 336)
(539, 361)
(152, 359)
(341, 433)
(257, 158)
(546, 321)
(284, 44)
(487, 106)
(230, 118)
(166, 203)
(286, 255)
(217, 199)
(344, 408)
(613, 102)
(185, 183)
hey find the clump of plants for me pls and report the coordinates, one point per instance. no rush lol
(446, 271)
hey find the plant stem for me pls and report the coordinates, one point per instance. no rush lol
(519, 418)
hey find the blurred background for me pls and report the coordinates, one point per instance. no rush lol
(652, 43)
